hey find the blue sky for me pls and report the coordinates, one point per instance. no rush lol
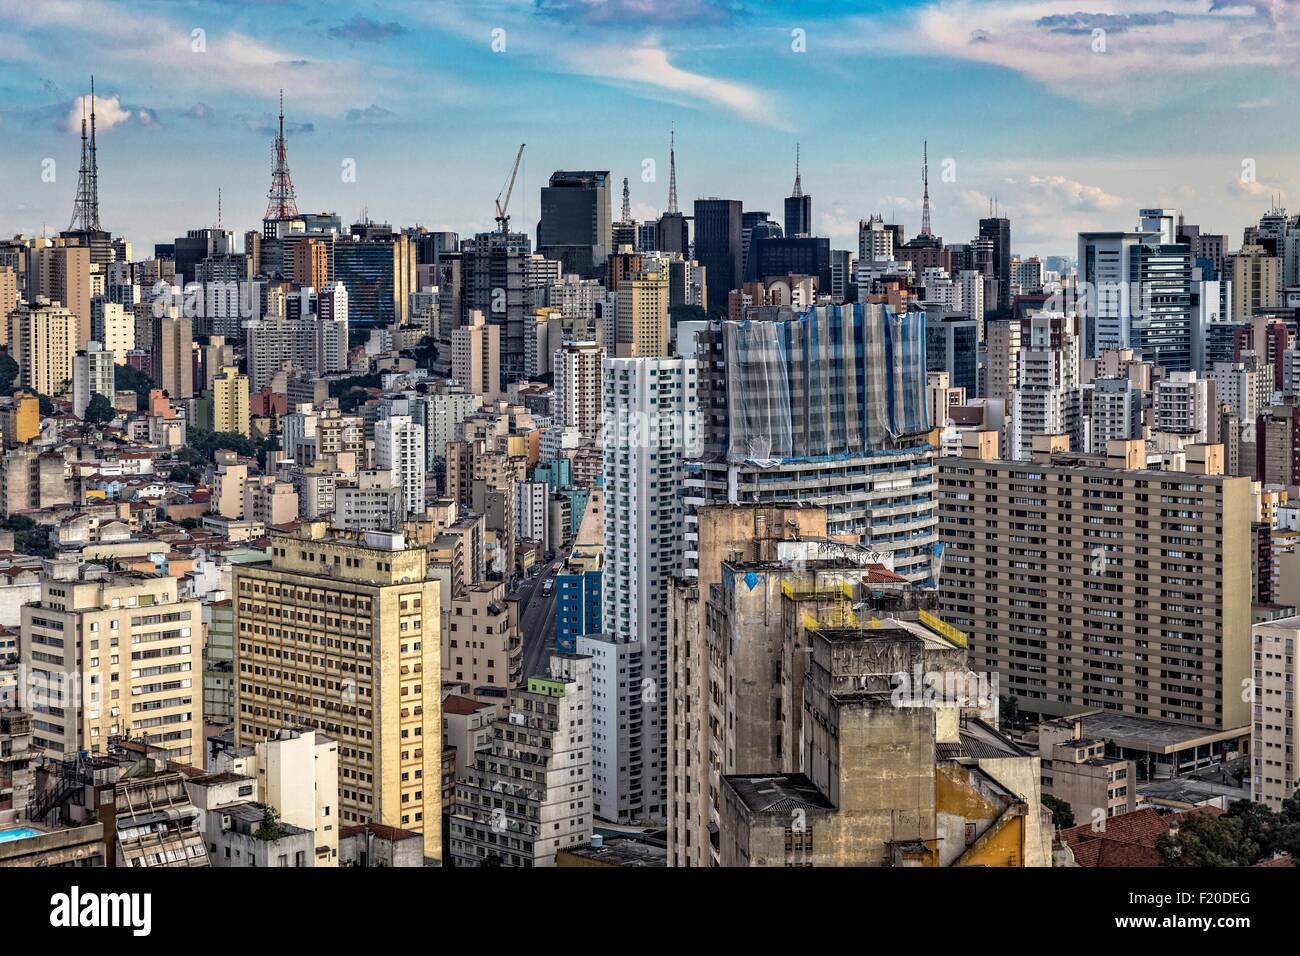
(1069, 128)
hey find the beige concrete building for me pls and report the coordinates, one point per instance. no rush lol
(230, 401)
(228, 490)
(1077, 770)
(339, 632)
(1256, 281)
(43, 341)
(1274, 773)
(1088, 584)
(8, 299)
(740, 532)
(483, 646)
(642, 317)
(61, 273)
(114, 655)
(898, 769)
(297, 772)
(476, 358)
(173, 361)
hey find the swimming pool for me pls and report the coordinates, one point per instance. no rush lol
(17, 833)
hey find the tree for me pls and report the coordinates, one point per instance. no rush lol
(1062, 812)
(99, 410)
(47, 405)
(128, 378)
(270, 828)
(1206, 840)
(29, 537)
(185, 474)
(8, 374)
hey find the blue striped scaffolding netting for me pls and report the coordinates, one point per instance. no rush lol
(835, 382)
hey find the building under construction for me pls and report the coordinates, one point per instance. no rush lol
(825, 407)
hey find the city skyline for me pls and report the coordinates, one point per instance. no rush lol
(415, 96)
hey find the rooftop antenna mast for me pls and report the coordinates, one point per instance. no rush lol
(85, 212)
(672, 171)
(627, 203)
(925, 197)
(798, 183)
(503, 219)
(282, 203)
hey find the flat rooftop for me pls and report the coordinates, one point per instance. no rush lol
(619, 852)
(1150, 735)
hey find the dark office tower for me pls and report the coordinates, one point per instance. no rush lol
(430, 246)
(998, 230)
(754, 226)
(719, 247)
(804, 256)
(673, 234)
(798, 207)
(253, 250)
(492, 282)
(575, 229)
(191, 249)
(447, 277)
(379, 275)
(647, 236)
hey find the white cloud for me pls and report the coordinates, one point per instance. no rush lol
(108, 110)
(1145, 50)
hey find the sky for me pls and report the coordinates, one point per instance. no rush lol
(1072, 114)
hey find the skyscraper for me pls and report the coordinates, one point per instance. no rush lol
(172, 354)
(650, 428)
(719, 248)
(364, 666)
(798, 207)
(825, 407)
(92, 374)
(998, 230)
(575, 225)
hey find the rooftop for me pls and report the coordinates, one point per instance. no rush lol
(777, 793)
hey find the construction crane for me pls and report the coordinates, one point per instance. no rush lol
(503, 220)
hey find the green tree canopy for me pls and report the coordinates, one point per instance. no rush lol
(100, 410)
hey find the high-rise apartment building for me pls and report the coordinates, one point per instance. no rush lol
(1099, 585)
(339, 632)
(1275, 768)
(399, 448)
(113, 655)
(476, 357)
(230, 401)
(92, 374)
(483, 646)
(643, 328)
(173, 356)
(43, 341)
(650, 428)
(528, 795)
(576, 373)
(62, 273)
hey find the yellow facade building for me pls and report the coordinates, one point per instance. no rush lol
(230, 401)
(339, 632)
